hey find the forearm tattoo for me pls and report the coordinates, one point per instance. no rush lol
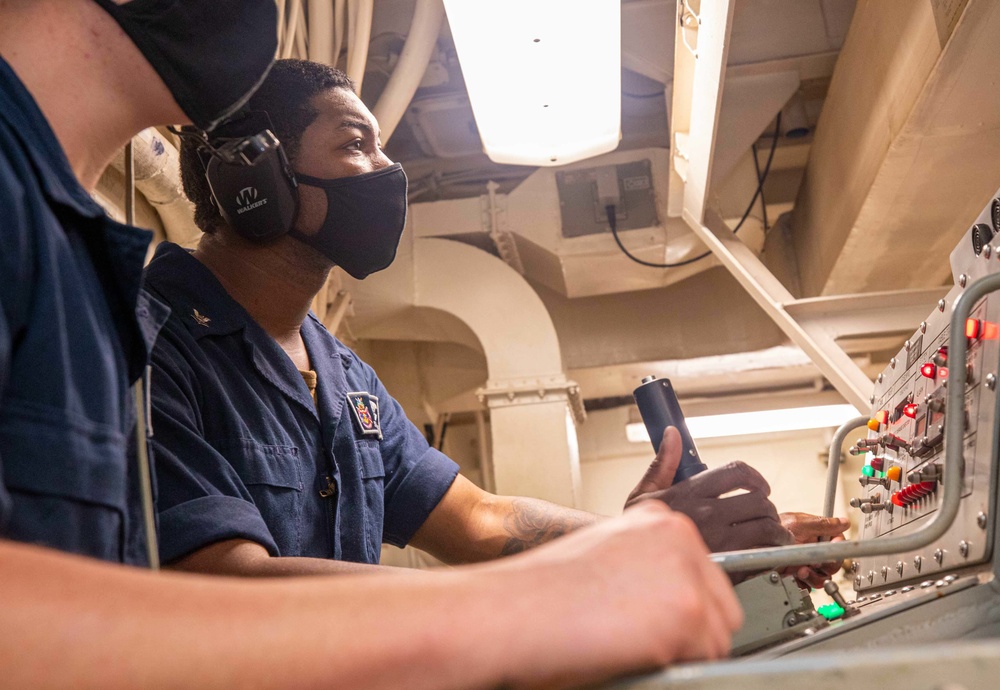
(531, 522)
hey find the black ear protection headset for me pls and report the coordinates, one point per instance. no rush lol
(252, 182)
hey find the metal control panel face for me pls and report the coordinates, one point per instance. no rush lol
(903, 448)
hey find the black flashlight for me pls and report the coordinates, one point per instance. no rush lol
(659, 409)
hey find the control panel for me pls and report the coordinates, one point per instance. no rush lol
(904, 445)
(930, 452)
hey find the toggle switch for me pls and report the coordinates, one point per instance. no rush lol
(941, 356)
(875, 507)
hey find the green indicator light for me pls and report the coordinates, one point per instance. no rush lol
(868, 471)
(831, 612)
(880, 475)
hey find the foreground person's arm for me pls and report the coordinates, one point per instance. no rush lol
(632, 593)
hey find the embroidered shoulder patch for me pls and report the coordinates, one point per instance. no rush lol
(364, 408)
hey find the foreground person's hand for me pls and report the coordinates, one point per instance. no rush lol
(628, 594)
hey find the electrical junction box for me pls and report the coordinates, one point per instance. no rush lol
(583, 213)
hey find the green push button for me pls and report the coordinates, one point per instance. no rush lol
(868, 471)
(831, 612)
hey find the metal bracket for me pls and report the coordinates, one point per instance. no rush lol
(338, 304)
(533, 391)
(688, 20)
(494, 208)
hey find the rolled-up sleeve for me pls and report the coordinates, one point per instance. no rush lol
(417, 476)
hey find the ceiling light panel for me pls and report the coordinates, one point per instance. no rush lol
(543, 76)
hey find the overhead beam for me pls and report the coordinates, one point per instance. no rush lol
(715, 27)
(842, 371)
(871, 313)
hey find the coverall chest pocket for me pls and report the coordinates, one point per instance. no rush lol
(273, 478)
(67, 476)
(373, 485)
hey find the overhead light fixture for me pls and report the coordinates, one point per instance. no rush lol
(762, 422)
(543, 76)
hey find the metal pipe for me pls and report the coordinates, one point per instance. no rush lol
(139, 394)
(427, 18)
(954, 470)
(291, 28)
(339, 19)
(836, 452)
(129, 183)
(321, 32)
(485, 460)
(360, 36)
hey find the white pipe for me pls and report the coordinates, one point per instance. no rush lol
(339, 19)
(302, 50)
(321, 31)
(485, 459)
(288, 44)
(157, 178)
(361, 33)
(281, 24)
(409, 72)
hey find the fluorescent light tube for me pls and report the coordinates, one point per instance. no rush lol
(543, 76)
(762, 422)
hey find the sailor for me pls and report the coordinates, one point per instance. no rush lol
(276, 444)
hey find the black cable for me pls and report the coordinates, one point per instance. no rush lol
(613, 223)
(760, 181)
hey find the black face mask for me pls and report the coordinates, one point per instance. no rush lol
(365, 216)
(211, 54)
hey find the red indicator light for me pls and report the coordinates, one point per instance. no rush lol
(882, 416)
(897, 500)
(973, 328)
(928, 370)
(991, 331)
(910, 411)
(943, 373)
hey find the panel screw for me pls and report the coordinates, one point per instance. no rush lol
(962, 280)
(855, 566)
(939, 556)
(872, 400)
(885, 572)
(775, 578)
(871, 576)
(879, 379)
(857, 583)
(942, 304)
(906, 346)
(899, 567)
(990, 382)
(892, 362)
(963, 548)
(981, 520)
(987, 250)
(923, 326)
(918, 561)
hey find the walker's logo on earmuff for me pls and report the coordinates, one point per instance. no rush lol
(246, 200)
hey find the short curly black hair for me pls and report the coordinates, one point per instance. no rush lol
(285, 95)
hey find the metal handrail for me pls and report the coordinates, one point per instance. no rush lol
(836, 452)
(954, 471)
